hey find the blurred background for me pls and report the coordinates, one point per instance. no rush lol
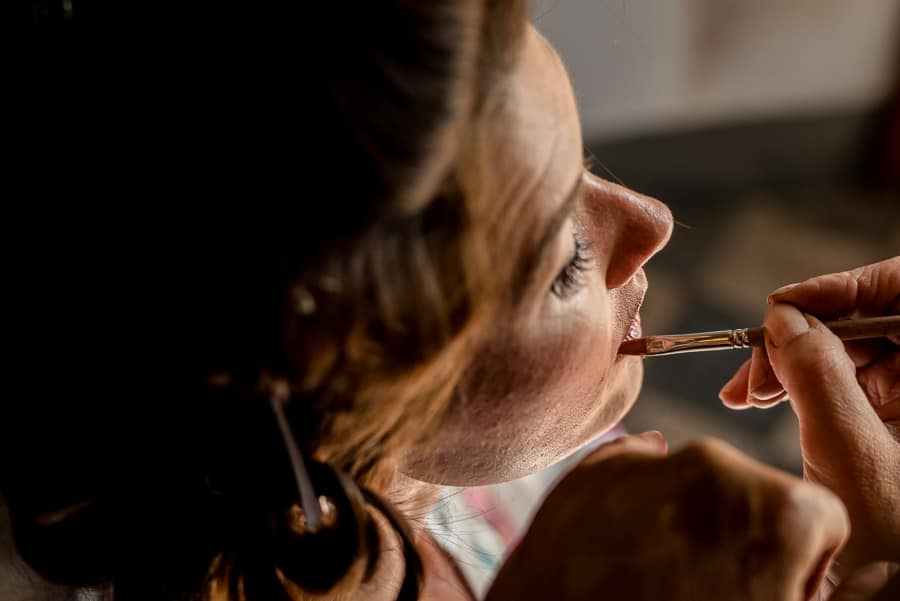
(772, 130)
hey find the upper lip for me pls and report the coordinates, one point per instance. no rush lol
(640, 282)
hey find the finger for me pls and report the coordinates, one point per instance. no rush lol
(869, 290)
(880, 383)
(890, 415)
(865, 583)
(769, 403)
(812, 526)
(891, 592)
(820, 378)
(734, 393)
(880, 380)
(763, 388)
(816, 528)
(864, 352)
(651, 443)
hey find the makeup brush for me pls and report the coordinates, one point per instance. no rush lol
(846, 329)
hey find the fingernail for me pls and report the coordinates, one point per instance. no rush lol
(780, 292)
(767, 403)
(757, 379)
(760, 393)
(784, 323)
(758, 372)
(761, 382)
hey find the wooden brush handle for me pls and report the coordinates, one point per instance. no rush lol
(846, 329)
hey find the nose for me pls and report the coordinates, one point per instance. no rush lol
(630, 227)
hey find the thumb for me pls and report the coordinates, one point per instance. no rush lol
(820, 379)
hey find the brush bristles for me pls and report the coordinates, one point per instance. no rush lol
(637, 346)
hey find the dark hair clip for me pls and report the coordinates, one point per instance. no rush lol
(310, 503)
(325, 536)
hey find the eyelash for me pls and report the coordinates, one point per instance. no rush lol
(570, 280)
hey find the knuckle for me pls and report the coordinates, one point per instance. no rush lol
(799, 513)
(705, 450)
(878, 284)
(853, 283)
(889, 284)
(818, 350)
(795, 507)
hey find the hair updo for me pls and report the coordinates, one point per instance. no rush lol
(245, 208)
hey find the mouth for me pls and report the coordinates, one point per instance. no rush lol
(634, 327)
(634, 330)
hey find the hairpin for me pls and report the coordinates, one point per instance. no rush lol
(309, 501)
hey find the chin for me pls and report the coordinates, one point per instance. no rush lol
(469, 456)
(632, 381)
(621, 395)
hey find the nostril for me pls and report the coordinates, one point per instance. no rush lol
(814, 581)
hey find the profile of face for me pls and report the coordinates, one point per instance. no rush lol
(547, 379)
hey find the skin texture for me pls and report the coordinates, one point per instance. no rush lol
(546, 379)
(846, 397)
(705, 522)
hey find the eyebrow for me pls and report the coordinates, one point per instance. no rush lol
(535, 258)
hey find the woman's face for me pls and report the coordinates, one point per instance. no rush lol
(547, 378)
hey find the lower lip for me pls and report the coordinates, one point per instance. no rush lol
(634, 331)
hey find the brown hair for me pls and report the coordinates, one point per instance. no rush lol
(364, 295)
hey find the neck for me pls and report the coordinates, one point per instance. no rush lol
(414, 499)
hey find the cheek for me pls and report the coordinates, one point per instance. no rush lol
(549, 371)
(576, 350)
(592, 388)
(530, 400)
(574, 361)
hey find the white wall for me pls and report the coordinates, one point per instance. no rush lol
(646, 65)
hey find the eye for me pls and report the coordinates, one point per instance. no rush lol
(570, 279)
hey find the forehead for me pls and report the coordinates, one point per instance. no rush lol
(541, 145)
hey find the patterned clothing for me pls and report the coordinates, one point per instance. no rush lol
(479, 526)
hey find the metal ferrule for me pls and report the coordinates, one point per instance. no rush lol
(702, 341)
